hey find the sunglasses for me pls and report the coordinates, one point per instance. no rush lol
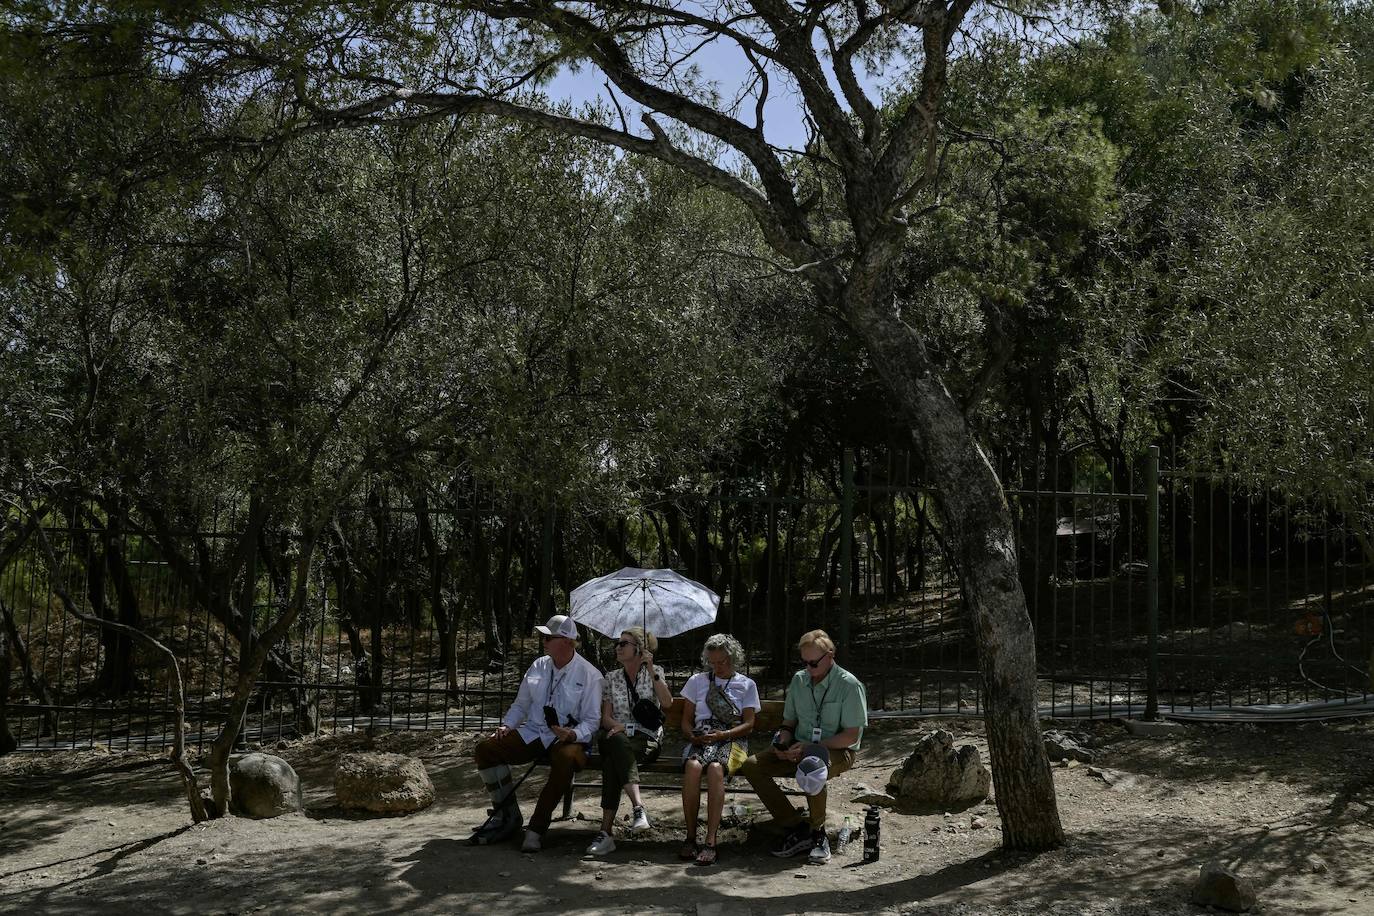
(816, 663)
(626, 642)
(546, 638)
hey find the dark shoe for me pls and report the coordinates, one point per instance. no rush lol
(500, 826)
(707, 854)
(820, 848)
(798, 839)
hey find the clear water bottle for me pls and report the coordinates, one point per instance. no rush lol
(845, 835)
(872, 827)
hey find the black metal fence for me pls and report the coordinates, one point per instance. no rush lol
(1175, 588)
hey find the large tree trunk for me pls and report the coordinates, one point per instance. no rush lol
(973, 509)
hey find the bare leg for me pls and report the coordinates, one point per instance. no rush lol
(715, 800)
(607, 820)
(691, 796)
(632, 792)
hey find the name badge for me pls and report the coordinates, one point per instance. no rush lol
(630, 728)
(816, 735)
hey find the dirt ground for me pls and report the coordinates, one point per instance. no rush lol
(1291, 806)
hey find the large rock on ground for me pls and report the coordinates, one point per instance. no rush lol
(1220, 887)
(1065, 746)
(262, 785)
(382, 783)
(937, 776)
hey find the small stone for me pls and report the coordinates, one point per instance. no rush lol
(800, 874)
(503, 874)
(978, 823)
(1316, 866)
(202, 861)
(111, 823)
(1161, 729)
(1159, 853)
(881, 799)
(599, 876)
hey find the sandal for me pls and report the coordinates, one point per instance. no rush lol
(707, 855)
(688, 850)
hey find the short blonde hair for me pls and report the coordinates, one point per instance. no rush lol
(816, 638)
(646, 640)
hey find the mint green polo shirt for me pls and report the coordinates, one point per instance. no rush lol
(838, 701)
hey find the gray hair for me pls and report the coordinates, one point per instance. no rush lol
(726, 643)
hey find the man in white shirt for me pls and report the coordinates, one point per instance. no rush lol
(555, 714)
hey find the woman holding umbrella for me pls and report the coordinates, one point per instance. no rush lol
(717, 716)
(634, 700)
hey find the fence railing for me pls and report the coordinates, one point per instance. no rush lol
(1180, 593)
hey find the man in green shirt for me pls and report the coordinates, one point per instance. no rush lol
(825, 705)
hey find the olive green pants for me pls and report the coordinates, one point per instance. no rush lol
(620, 760)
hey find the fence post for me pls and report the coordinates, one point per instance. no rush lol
(846, 542)
(546, 563)
(1152, 580)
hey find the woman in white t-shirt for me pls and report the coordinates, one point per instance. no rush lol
(716, 718)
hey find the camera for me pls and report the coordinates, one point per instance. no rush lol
(551, 718)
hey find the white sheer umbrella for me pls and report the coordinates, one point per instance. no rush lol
(661, 601)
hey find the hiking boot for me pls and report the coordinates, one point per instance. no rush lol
(602, 845)
(820, 848)
(640, 820)
(796, 840)
(500, 826)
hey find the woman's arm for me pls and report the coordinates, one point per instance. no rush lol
(661, 691)
(608, 721)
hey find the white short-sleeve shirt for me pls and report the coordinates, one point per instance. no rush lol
(740, 689)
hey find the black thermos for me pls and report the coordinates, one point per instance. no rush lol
(872, 827)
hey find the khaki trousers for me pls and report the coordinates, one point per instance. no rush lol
(763, 768)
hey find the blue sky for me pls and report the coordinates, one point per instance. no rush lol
(723, 64)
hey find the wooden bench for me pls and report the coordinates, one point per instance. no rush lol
(669, 762)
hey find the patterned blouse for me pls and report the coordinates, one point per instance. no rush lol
(617, 690)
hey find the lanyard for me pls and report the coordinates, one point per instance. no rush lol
(554, 684)
(825, 694)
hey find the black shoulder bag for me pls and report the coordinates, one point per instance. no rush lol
(645, 711)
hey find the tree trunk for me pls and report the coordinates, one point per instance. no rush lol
(7, 740)
(47, 724)
(118, 677)
(443, 620)
(974, 511)
(250, 669)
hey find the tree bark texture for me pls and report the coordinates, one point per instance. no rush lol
(972, 507)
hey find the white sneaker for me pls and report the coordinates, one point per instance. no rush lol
(602, 845)
(531, 843)
(641, 819)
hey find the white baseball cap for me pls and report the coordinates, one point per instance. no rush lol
(813, 769)
(559, 625)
